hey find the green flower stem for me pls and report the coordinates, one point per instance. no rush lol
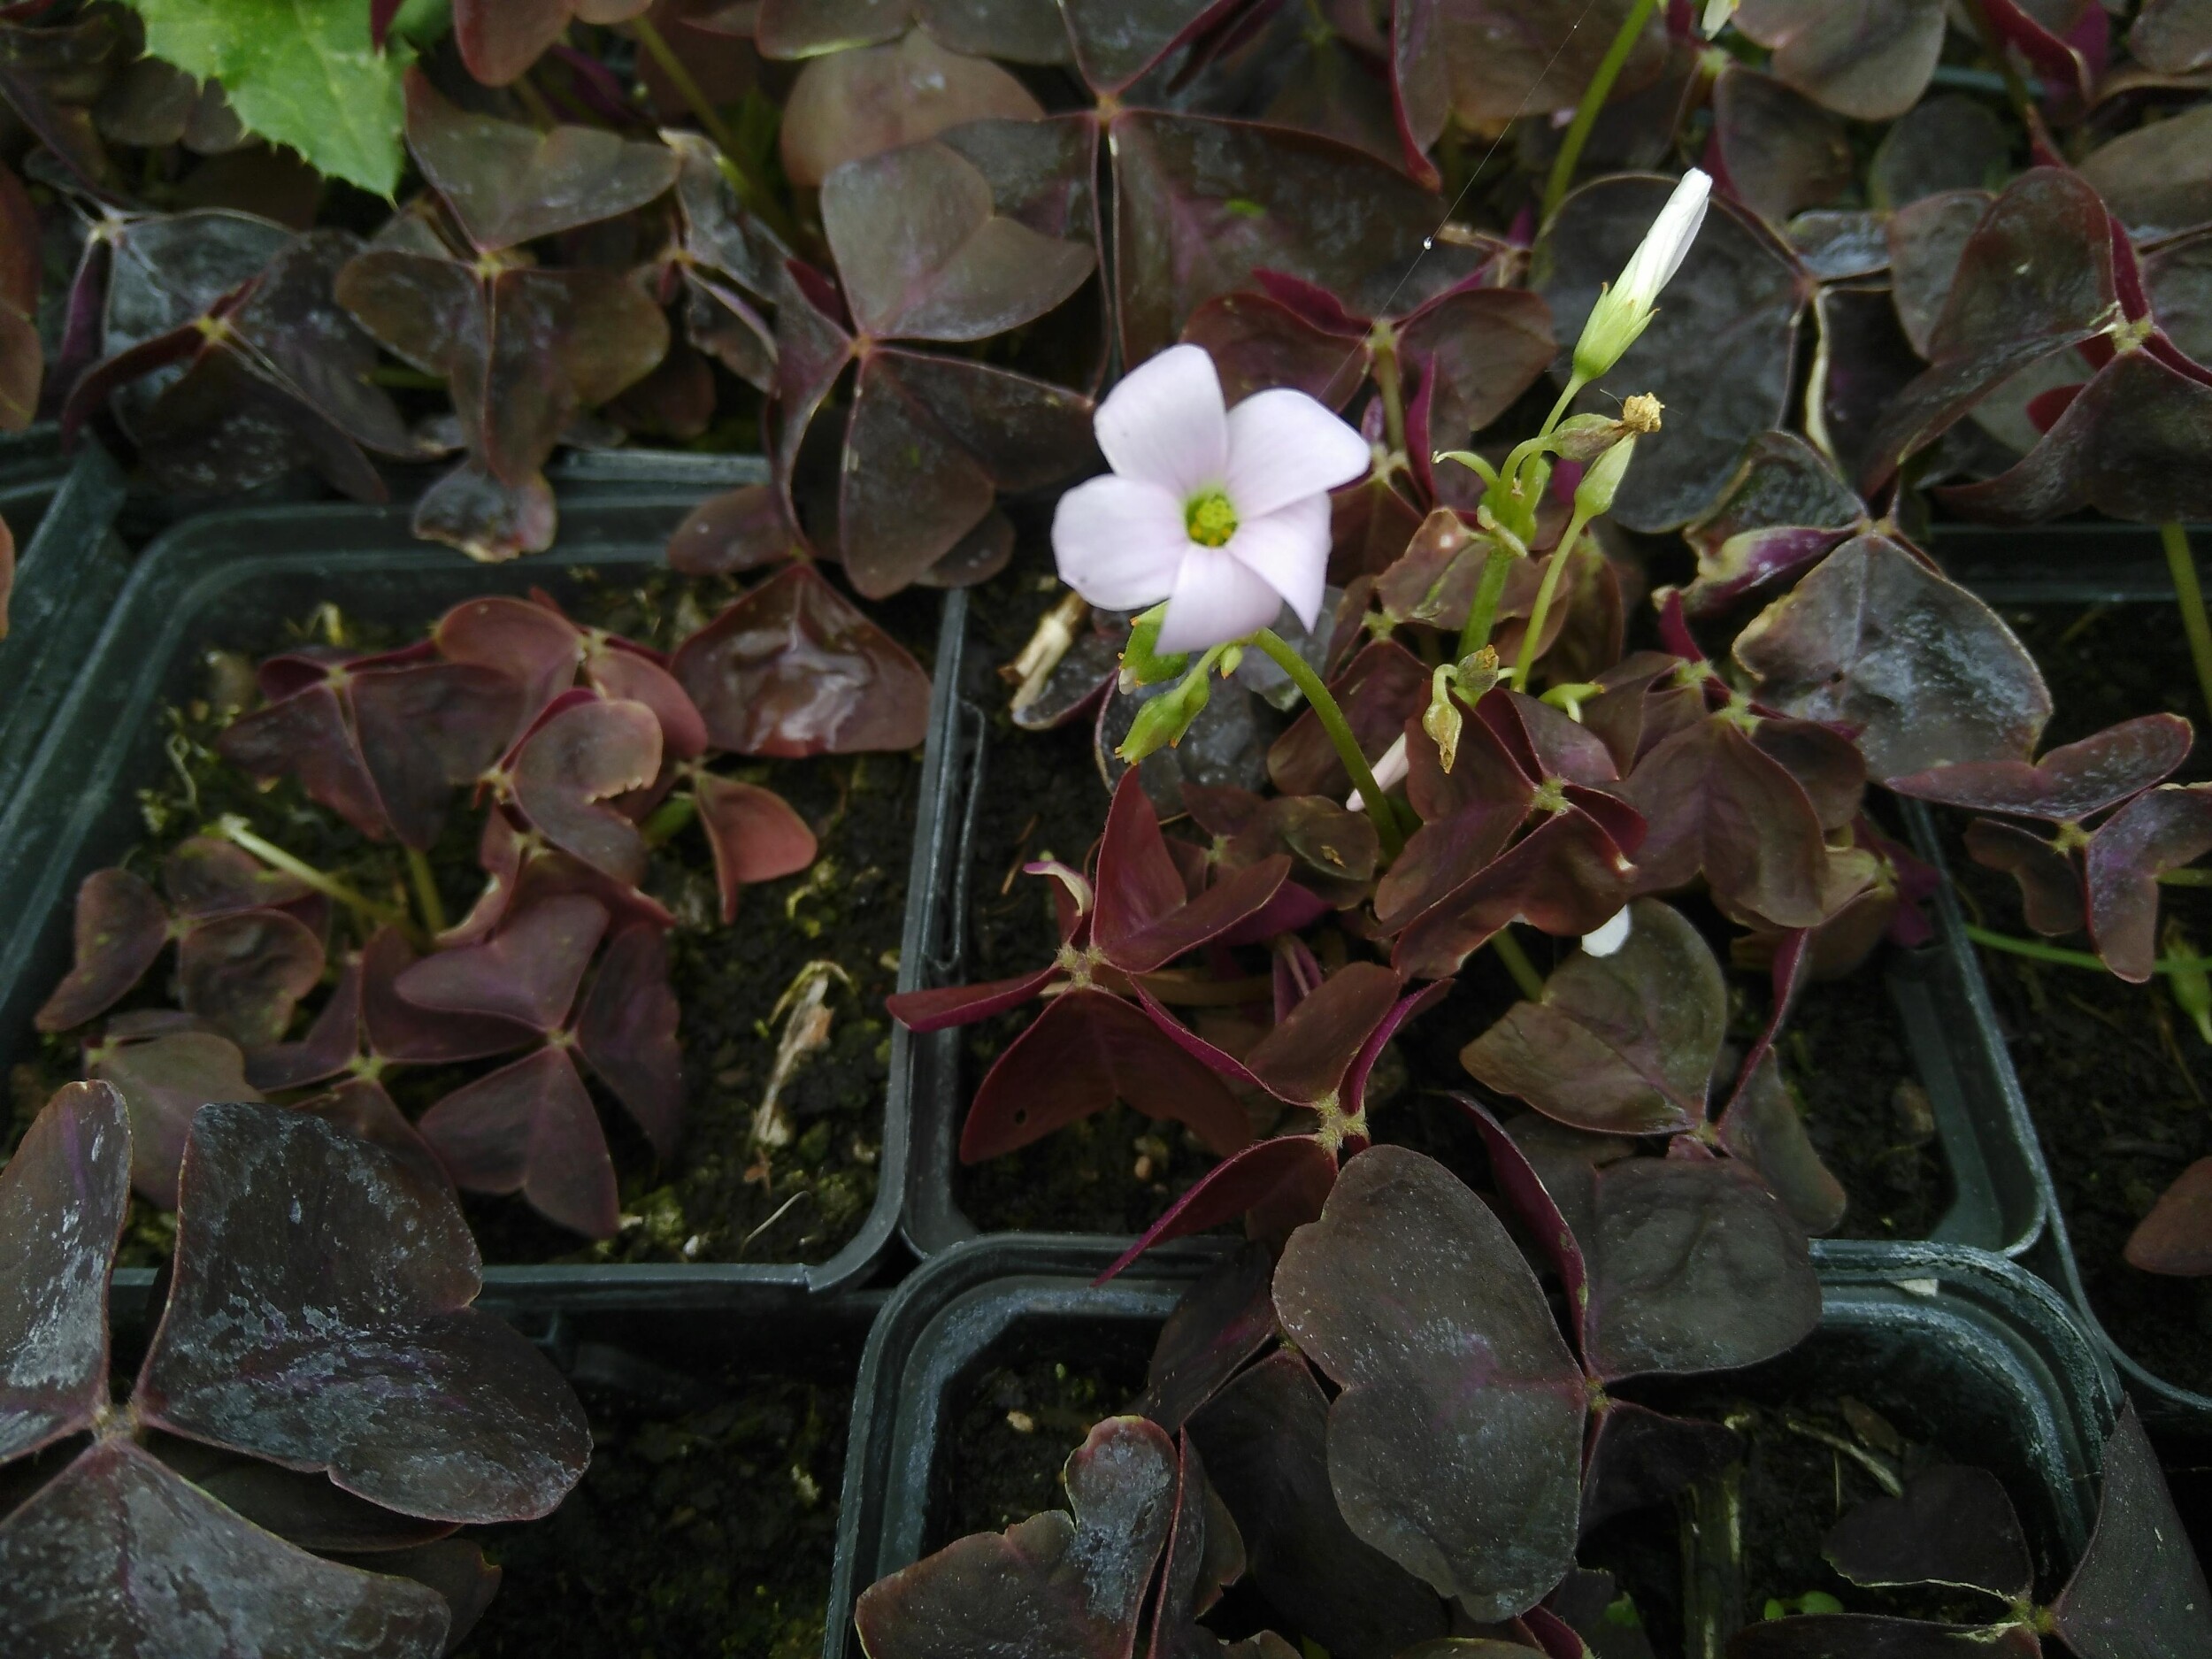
(426, 884)
(1546, 592)
(2195, 876)
(1507, 495)
(1482, 615)
(2036, 951)
(1318, 698)
(710, 122)
(1389, 383)
(1594, 97)
(235, 830)
(2191, 593)
(669, 818)
(2016, 88)
(1518, 965)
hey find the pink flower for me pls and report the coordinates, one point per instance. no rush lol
(1222, 513)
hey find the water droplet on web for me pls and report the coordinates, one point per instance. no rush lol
(1427, 242)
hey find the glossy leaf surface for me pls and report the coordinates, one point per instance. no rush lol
(1923, 671)
(63, 1198)
(530, 1127)
(118, 1556)
(366, 1361)
(2071, 782)
(1951, 1525)
(243, 975)
(2176, 1236)
(1717, 804)
(1056, 1585)
(2161, 829)
(1869, 60)
(2139, 1593)
(1455, 1447)
(793, 669)
(580, 758)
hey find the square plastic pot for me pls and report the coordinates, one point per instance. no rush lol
(1941, 1004)
(2082, 564)
(217, 579)
(1953, 1345)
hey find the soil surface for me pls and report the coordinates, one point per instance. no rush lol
(1013, 1428)
(2117, 1077)
(711, 1533)
(723, 1199)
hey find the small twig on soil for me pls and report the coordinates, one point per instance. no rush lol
(1885, 1477)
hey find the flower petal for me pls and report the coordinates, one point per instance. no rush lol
(1119, 542)
(1667, 243)
(1290, 549)
(1163, 424)
(1283, 444)
(1217, 598)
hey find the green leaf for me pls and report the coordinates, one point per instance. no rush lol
(299, 73)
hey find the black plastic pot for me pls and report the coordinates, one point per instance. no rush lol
(1956, 1345)
(1941, 1008)
(211, 580)
(68, 570)
(31, 468)
(2074, 564)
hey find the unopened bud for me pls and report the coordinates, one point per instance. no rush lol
(1162, 721)
(1142, 665)
(1442, 719)
(1476, 673)
(1586, 437)
(1593, 496)
(1624, 309)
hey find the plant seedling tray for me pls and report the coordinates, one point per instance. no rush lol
(2084, 563)
(68, 570)
(1941, 1004)
(218, 578)
(1956, 1346)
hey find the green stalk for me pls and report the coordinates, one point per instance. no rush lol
(2036, 951)
(1594, 97)
(712, 125)
(2016, 88)
(669, 818)
(236, 829)
(427, 899)
(1518, 965)
(1545, 593)
(2191, 593)
(1482, 615)
(1318, 698)
(1388, 382)
(2195, 876)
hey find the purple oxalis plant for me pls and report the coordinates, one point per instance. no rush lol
(291, 1478)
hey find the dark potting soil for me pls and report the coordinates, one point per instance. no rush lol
(724, 1199)
(2116, 1075)
(711, 1533)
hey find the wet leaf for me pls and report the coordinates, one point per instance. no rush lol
(63, 1198)
(1265, 1441)
(1115, 41)
(117, 1555)
(530, 1127)
(793, 669)
(577, 761)
(2161, 829)
(527, 971)
(244, 974)
(366, 1361)
(359, 1107)
(1869, 60)
(1952, 1525)
(2156, 179)
(300, 1508)
(851, 105)
(1085, 1051)
(487, 520)
(1623, 1044)
(628, 1034)
(1783, 509)
(1695, 1266)
(1223, 1320)
(1455, 1447)
(1056, 1587)
(1639, 1456)
(1924, 670)
(121, 925)
(2139, 1593)
(164, 1080)
(2071, 782)
(1721, 344)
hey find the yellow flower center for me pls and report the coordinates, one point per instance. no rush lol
(1210, 519)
